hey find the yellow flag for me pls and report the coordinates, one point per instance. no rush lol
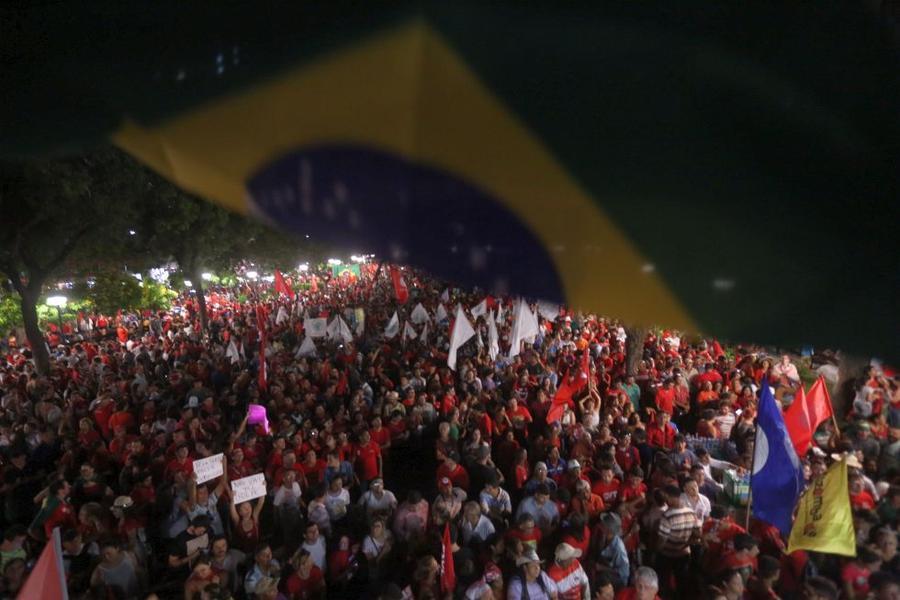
(824, 520)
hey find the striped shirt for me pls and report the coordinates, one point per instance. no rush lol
(571, 582)
(675, 530)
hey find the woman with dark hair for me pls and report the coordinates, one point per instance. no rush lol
(530, 582)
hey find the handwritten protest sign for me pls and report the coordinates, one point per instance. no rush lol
(197, 543)
(248, 488)
(208, 468)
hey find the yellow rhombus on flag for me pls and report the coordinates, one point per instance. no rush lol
(824, 520)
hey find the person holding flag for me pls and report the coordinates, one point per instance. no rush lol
(777, 476)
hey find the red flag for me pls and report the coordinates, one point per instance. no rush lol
(281, 287)
(448, 572)
(569, 387)
(400, 288)
(47, 580)
(803, 417)
(717, 349)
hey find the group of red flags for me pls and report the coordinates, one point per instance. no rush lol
(807, 412)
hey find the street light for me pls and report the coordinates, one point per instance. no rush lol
(334, 262)
(303, 267)
(252, 275)
(58, 302)
(206, 276)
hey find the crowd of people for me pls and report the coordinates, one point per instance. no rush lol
(389, 475)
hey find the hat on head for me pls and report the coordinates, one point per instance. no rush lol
(528, 556)
(444, 481)
(538, 466)
(564, 552)
(574, 464)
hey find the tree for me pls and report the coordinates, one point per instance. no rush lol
(634, 348)
(200, 235)
(55, 212)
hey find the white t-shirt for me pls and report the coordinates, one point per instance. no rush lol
(290, 496)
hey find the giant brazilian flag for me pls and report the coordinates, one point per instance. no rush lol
(730, 168)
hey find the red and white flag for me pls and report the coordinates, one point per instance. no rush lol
(47, 580)
(400, 289)
(461, 333)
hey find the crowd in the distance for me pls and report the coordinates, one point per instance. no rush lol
(637, 489)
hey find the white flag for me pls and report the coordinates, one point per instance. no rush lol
(445, 297)
(525, 327)
(479, 309)
(344, 331)
(440, 314)
(424, 336)
(548, 310)
(493, 338)
(419, 315)
(282, 315)
(315, 327)
(331, 332)
(408, 332)
(499, 311)
(393, 327)
(462, 333)
(478, 339)
(307, 348)
(232, 353)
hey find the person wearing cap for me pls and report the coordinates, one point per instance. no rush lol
(530, 581)
(568, 575)
(574, 474)
(449, 501)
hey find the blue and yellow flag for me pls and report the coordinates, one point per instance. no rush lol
(824, 520)
(662, 163)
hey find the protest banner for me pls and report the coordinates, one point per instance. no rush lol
(208, 468)
(248, 488)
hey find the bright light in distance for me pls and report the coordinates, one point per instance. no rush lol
(132, 232)
(268, 278)
(303, 267)
(188, 283)
(138, 276)
(358, 259)
(56, 301)
(334, 261)
(206, 276)
(252, 275)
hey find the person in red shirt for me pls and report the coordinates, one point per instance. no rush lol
(307, 580)
(607, 487)
(455, 472)
(860, 498)
(313, 468)
(627, 456)
(855, 574)
(368, 459)
(665, 397)
(525, 532)
(661, 433)
(56, 511)
(180, 464)
(380, 435)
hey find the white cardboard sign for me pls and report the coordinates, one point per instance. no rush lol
(248, 488)
(208, 468)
